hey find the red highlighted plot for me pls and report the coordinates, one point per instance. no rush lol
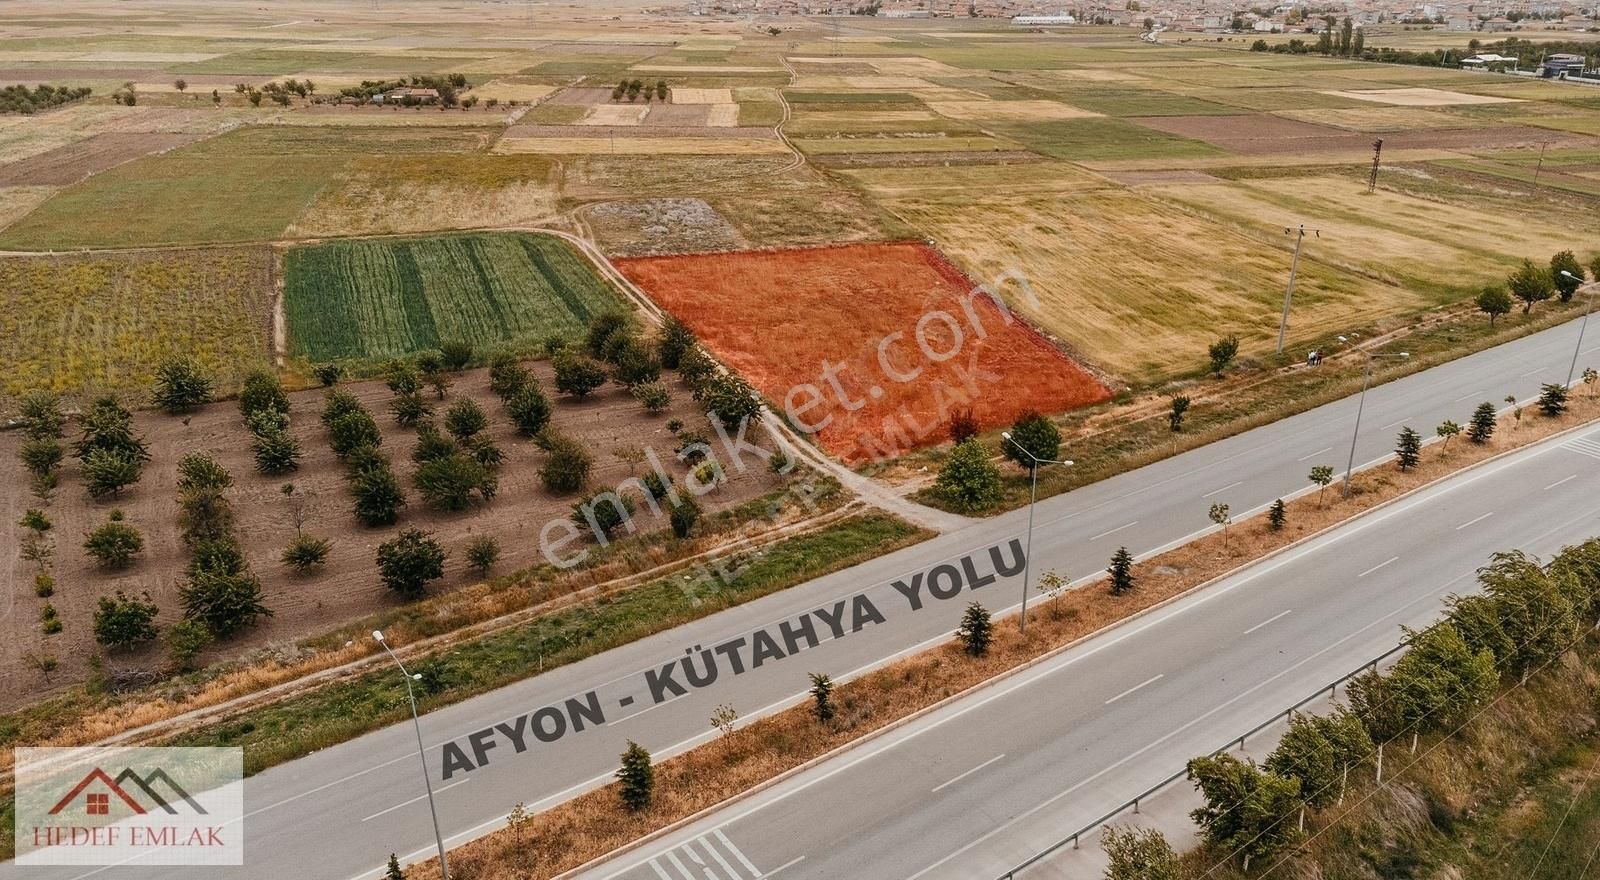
(873, 347)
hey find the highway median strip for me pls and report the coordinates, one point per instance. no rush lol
(594, 826)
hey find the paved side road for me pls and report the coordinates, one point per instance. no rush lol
(979, 786)
(338, 813)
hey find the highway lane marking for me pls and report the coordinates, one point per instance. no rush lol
(1522, 458)
(1475, 520)
(436, 791)
(786, 865)
(1136, 687)
(1315, 454)
(706, 844)
(1531, 373)
(1069, 660)
(966, 774)
(1583, 446)
(1115, 530)
(1465, 396)
(1559, 482)
(1273, 619)
(735, 850)
(1378, 566)
(1223, 489)
(1392, 424)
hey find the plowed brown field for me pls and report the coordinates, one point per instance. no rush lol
(871, 346)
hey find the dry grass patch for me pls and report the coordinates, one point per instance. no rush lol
(1419, 97)
(596, 823)
(506, 90)
(1379, 119)
(1139, 287)
(643, 146)
(723, 116)
(17, 201)
(1017, 111)
(702, 96)
(387, 194)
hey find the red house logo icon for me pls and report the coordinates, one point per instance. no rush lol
(98, 788)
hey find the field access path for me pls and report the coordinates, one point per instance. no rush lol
(339, 813)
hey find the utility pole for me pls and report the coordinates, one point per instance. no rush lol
(1377, 154)
(1540, 164)
(1288, 292)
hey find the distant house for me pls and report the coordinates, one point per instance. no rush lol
(1489, 61)
(1561, 66)
(396, 96)
(1042, 20)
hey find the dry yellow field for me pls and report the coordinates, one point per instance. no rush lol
(868, 116)
(702, 96)
(1376, 119)
(504, 90)
(17, 201)
(1138, 287)
(994, 180)
(723, 116)
(387, 194)
(830, 146)
(642, 146)
(1013, 111)
(1418, 97)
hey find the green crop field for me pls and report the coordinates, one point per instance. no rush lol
(379, 299)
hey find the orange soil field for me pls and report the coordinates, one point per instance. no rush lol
(872, 346)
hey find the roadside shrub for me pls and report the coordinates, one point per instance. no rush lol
(684, 515)
(1222, 353)
(1038, 438)
(409, 561)
(696, 366)
(963, 425)
(123, 621)
(968, 480)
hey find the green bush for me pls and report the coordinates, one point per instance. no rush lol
(968, 480)
(114, 544)
(409, 561)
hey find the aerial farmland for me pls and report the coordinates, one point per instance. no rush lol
(307, 288)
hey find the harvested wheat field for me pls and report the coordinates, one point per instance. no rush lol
(873, 346)
(1009, 111)
(1418, 97)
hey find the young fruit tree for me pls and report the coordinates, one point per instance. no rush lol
(1446, 430)
(409, 561)
(1494, 302)
(1180, 406)
(1321, 475)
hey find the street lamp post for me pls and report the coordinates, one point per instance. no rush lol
(1033, 496)
(1581, 327)
(1361, 403)
(438, 838)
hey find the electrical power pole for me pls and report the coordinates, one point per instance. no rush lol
(1540, 165)
(1288, 292)
(1377, 154)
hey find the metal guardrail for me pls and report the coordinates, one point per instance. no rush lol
(1329, 689)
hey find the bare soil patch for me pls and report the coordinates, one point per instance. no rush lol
(348, 587)
(680, 115)
(782, 317)
(580, 96)
(519, 132)
(74, 162)
(651, 227)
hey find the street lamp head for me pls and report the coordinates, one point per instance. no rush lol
(377, 636)
(1405, 354)
(1006, 434)
(1069, 462)
(1570, 275)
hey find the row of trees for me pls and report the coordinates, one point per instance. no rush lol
(21, 99)
(632, 89)
(1526, 616)
(1531, 284)
(969, 479)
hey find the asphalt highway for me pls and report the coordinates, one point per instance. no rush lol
(979, 786)
(337, 814)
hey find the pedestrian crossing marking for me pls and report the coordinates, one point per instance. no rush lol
(705, 858)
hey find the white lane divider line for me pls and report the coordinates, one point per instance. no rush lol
(1273, 619)
(1533, 372)
(1395, 424)
(1315, 454)
(419, 797)
(1560, 481)
(1135, 687)
(1223, 489)
(736, 853)
(1475, 520)
(1465, 396)
(1378, 566)
(1115, 530)
(786, 865)
(966, 774)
